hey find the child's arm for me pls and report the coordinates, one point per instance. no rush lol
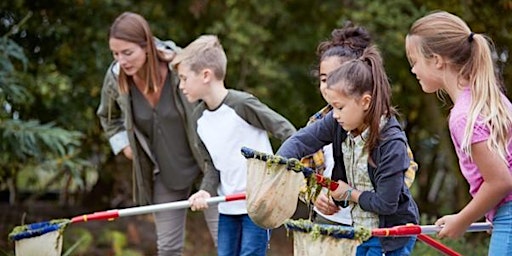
(389, 180)
(497, 183)
(211, 176)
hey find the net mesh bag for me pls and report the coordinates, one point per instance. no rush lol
(322, 239)
(272, 188)
(39, 239)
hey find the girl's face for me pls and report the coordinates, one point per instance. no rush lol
(191, 83)
(428, 75)
(327, 65)
(131, 56)
(348, 111)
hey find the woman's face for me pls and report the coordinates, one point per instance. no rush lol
(327, 65)
(131, 56)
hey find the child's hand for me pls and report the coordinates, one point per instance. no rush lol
(454, 226)
(325, 205)
(341, 191)
(490, 230)
(198, 200)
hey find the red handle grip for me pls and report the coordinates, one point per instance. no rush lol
(397, 231)
(234, 197)
(323, 182)
(105, 215)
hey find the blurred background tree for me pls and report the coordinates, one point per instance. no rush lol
(54, 62)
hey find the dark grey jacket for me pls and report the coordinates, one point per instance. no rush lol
(391, 200)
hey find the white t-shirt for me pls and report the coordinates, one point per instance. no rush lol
(224, 133)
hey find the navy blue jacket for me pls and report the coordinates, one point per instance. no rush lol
(391, 200)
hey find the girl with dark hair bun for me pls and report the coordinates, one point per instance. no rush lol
(347, 47)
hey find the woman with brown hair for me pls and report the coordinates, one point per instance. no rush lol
(145, 115)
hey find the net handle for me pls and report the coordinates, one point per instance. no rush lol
(408, 230)
(113, 214)
(403, 230)
(438, 245)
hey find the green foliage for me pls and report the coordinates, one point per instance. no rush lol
(32, 139)
(118, 243)
(27, 142)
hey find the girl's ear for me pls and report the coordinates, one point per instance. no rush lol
(439, 61)
(365, 101)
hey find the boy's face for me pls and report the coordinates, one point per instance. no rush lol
(191, 83)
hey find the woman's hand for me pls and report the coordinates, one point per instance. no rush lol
(198, 200)
(127, 151)
(168, 55)
(325, 205)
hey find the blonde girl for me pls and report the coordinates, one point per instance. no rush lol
(447, 56)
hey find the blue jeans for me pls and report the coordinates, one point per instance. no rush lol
(238, 235)
(501, 238)
(372, 247)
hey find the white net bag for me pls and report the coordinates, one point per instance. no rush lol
(310, 239)
(272, 189)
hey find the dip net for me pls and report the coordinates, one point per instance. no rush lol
(323, 239)
(272, 189)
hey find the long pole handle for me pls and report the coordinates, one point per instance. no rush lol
(408, 230)
(113, 214)
(437, 245)
(475, 227)
(422, 231)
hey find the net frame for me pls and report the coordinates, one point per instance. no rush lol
(323, 239)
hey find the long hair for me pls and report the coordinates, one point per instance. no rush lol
(366, 74)
(470, 54)
(134, 28)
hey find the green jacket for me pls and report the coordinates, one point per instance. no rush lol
(116, 119)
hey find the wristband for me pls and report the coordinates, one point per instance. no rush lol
(344, 202)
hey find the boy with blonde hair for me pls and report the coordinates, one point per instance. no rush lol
(228, 120)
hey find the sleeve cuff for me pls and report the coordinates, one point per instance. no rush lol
(119, 141)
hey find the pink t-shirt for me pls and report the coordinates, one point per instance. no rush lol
(457, 123)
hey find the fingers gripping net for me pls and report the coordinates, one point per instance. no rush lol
(322, 239)
(272, 190)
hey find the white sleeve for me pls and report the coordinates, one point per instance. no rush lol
(328, 160)
(119, 141)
